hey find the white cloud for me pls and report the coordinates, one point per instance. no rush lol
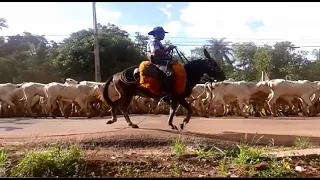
(105, 16)
(174, 28)
(166, 12)
(131, 29)
(288, 21)
(52, 18)
(294, 21)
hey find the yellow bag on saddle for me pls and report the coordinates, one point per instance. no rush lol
(154, 85)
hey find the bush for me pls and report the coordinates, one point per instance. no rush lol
(51, 162)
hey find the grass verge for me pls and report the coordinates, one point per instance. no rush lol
(185, 160)
(54, 161)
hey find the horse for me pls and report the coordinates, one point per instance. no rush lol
(125, 83)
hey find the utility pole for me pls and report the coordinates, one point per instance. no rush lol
(96, 45)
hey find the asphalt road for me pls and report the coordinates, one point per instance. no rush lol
(26, 127)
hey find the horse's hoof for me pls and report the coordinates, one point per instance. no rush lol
(53, 117)
(66, 117)
(174, 127)
(134, 126)
(110, 122)
(181, 126)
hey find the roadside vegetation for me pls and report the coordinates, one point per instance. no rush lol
(195, 159)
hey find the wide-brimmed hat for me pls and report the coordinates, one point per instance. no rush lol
(157, 29)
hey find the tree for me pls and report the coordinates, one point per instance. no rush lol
(221, 51)
(262, 60)
(141, 42)
(244, 53)
(117, 52)
(30, 57)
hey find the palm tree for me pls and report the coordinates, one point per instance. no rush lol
(221, 51)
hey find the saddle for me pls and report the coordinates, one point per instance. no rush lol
(149, 76)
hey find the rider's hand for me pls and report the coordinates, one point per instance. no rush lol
(171, 47)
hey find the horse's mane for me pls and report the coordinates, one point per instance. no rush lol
(198, 63)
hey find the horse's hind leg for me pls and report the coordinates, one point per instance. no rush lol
(113, 111)
(186, 105)
(124, 107)
(122, 104)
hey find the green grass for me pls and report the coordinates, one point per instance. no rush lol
(179, 148)
(3, 157)
(243, 161)
(277, 169)
(223, 168)
(3, 161)
(302, 143)
(203, 154)
(53, 161)
(176, 170)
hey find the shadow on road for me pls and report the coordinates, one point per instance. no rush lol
(16, 121)
(264, 139)
(10, 128)
(289, 118)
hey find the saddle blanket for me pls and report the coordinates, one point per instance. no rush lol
(154, 85)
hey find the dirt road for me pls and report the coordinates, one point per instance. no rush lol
(283, 128)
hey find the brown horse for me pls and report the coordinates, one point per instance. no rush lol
(126, 84)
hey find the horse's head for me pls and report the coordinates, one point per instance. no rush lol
(212, 68)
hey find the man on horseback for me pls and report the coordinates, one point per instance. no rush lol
(158, 54)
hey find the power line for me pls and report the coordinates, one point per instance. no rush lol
(185, 37)
(238, 45)
(235, 45)
(179, 43)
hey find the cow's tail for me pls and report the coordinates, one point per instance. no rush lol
(105, 93)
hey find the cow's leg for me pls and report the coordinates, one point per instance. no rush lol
(306, 99)
(244, 106)
(29, 101)
(256, 109)
(273, 98)
(90, 110)
(84, 106)
(61, 106)
(51, 106)
(64, 109)
(34, 101)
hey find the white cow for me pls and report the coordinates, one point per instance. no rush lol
(303, 89)
(79, 93)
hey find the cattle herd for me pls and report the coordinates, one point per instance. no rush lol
(275, 97)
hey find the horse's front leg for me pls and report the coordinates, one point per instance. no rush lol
(173, 108)
(187, 106)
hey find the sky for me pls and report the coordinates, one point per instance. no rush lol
(189, 24)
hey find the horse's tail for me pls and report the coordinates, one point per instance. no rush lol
(105, 91)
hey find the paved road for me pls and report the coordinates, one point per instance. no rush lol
(20, 127)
